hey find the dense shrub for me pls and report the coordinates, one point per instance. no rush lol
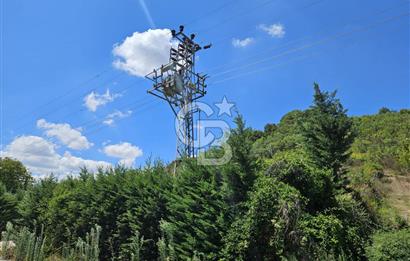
(8, 207)
(393, 245)
(268, 230)
(314, 184)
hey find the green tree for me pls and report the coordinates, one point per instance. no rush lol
(8, 207)
(293, 168)
(285, 136)
(268, 229)
(240, 172)
(323, 233)
(196, 211)
(122, 201)
(328, 133)
(14, 175)
(34, 204)
(384, 110)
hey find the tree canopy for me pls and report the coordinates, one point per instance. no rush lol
(280, 197)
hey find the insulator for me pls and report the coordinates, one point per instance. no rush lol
(181, 28)
(208, 46)
(192, 36)
(173, 33)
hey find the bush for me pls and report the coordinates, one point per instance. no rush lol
(315, 184)
(268, 230)
(393, 245)
(8, 207)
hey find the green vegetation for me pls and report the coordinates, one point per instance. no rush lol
(319, 185)
(390, 246)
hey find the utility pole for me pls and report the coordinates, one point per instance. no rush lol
(179, 85)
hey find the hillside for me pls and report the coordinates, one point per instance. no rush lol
(318, 185)
(381, 159)
(379, 167)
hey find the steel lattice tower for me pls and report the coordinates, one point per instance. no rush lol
(179, 85)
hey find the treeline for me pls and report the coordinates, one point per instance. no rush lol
(302, 189)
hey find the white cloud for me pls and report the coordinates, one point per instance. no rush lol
(110, 118)
(70, 137)
(124, 151)
(275, 30)
(93, 100)
(142, 52)
(41, 158)
(242, 43)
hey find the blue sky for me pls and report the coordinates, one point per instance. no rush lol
(59, 82)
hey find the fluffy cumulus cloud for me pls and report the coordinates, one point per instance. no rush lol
(140, 53)
(275, 30)
(94, 100)
(41, 158)
(110, 118)
(63, 132)
(242, 43)
(126, 152)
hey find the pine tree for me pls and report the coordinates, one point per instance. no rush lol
(328, 133)
(240, 173)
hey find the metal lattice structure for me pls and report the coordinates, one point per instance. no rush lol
(179, 85)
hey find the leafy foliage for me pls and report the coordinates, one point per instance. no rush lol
(8, 207)
(13, 175)
(383, 139)
(278, 198)
(314, 184)
(390, 246)
(268, 228)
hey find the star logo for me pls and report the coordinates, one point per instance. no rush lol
(225, 107)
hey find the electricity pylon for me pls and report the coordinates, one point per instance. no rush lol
(177, 83)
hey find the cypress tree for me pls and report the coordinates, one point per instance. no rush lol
(328, 133)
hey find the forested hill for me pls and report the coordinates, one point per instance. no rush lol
(379, 166)
(318, 185)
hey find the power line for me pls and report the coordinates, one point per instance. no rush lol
(65, 94)
(289, 43)
(241, 14)
(318, 42)
(129, 106)
(54, 110)
(261, 69)
(85, 109)
(297, 40)
(276, 18)
(144, 107)
(219, 8)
